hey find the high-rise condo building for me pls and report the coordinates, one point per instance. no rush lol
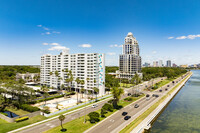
(129, 60)
(88, 67)
(160, 63)
(169, 63)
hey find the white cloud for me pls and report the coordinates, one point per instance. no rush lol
(47, 33)
(171, 37)
(45, 28)
(111, 53)
(85, 45)
(45, 43)
(188, 37)
(56, 32)
(181, 37)
(55, 44)
(39, 25)
(154, 52)
(115, 45)
(57, 48)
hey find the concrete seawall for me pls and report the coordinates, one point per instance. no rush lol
(146, 123)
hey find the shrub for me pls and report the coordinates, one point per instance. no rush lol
(29, 108)
(103, 112)
(22, 119)
(128, 99)
(4, 113)
(108, 107)
(46, 110)
(94, 117)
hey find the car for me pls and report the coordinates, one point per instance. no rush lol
(124, 113)
(94, 105)
(166, 89)
(129, 94)
(156, 95)
(127, 117)
(136, 106)
(167, 85)
(147, 95)
(160, 90)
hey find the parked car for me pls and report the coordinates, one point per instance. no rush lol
(127, 117)
(129, 94)
(94, 105)
(124, 113)
(136, 106)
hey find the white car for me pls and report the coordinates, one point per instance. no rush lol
(94, 105)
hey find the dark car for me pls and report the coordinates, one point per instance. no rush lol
(129, 94)
(156, 95)
(147, 95)
(173, 82)
(127, 117)
(167, 85)
(166, 89)
(136, 106)
(160, 90)
(124, 113)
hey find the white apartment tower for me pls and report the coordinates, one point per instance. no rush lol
(83, 66)
(130, 60)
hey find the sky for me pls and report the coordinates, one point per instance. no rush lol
(165, 29)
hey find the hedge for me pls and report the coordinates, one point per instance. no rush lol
(22, 119)
(29, 108)
(4, 113)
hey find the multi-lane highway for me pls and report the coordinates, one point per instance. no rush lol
(55, 122)
(116, 122)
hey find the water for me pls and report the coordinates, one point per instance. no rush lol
(10, 114)
(182, 115)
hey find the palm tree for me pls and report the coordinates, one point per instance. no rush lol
(82, 89)
(45, 89)
(116, 92)
(96, 91)
(57, 75)
(61, 118)
(78, 82)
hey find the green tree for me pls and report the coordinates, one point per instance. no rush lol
(94, 117)
(61, 118)
(116, 92)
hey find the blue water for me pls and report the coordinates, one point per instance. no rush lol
(182, 115)
(10, 114)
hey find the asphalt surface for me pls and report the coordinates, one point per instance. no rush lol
(55, 122)
(116, 122)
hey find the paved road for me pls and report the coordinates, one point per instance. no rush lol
(55, 122)
(116, 122)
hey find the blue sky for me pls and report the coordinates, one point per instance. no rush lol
(165, 29)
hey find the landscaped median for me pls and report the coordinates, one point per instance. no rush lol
(139, 119)
(77, 125)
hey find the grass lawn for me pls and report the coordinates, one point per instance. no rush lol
(138, 120)
(126, 85)
(17, 111)
(77, 126)
(6, 126)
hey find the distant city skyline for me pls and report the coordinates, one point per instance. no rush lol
(165, 30)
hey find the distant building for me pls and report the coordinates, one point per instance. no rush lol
(169, 63)
(160, 63)
(155, 64)
(130, 60)
(28, 77)
(174, 65)
(146, 64)
(184, 66)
